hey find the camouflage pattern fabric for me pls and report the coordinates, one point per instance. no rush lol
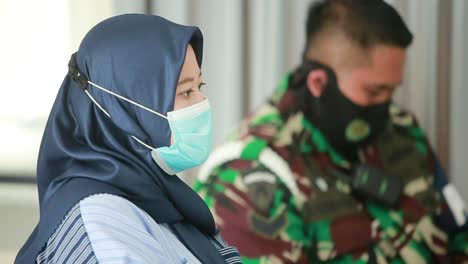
(272, 197)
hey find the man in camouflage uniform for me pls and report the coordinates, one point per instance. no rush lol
(272, 187)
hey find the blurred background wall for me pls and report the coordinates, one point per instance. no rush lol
(249, 46)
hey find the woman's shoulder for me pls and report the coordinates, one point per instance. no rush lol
(102, 228)
(107, 212)
(105, 200)
(109, 205)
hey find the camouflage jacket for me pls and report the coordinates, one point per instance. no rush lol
(270, 193)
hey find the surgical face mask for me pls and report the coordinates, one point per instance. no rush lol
(191, 129)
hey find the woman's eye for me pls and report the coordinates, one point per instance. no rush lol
(187, 93)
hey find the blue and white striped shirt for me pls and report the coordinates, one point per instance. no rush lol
(105, 228)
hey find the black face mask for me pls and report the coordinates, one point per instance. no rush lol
(346, 126)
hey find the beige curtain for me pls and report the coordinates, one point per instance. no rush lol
(459, 98)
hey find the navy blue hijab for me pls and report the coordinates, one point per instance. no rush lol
(84, 152)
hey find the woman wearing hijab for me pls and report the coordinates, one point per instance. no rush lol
(127, 118)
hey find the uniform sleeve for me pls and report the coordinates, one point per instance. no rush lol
(255, 212)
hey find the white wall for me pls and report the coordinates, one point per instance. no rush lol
(34, 43)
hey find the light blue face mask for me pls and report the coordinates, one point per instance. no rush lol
(191, 129)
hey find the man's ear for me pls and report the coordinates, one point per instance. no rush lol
(316, 82)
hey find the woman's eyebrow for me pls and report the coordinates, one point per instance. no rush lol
(188, 79)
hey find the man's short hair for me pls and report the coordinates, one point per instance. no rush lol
(364, 22)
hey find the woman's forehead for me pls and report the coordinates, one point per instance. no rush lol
(190, 68)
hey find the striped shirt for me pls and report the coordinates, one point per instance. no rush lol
(105, 228)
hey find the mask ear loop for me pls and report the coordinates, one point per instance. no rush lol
(80, 78)
(83, 81)
(143, 143)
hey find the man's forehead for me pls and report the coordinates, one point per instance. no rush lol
(383, 56)
(386, 66)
